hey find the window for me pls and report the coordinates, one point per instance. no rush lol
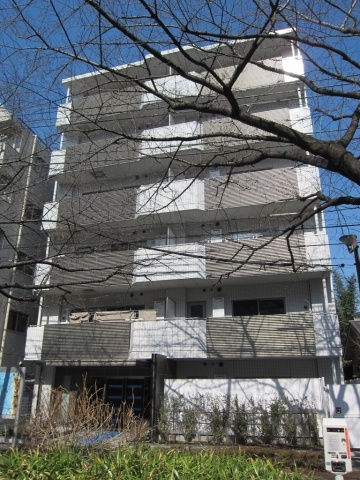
(5, 182)
(26, 268)
(17, 321)
(32, 212)
(85, 249)
(16, 142)
(196, 309)
(214, 173)
(268, 306)
(40, 167)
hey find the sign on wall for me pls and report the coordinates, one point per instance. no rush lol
(10, 388)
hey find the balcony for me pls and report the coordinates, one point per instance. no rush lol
(255, 257)
(154, 145)
(251, 188)
(106, 106)
(174, 262)
(173, 86)
(174, 196)
(121, 340)
(78, 344)
(97, 208)
(93, 155)
(100, 269)
(290, 335)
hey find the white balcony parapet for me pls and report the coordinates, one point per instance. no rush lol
(317, 250)
(174, 338)
(63, 114)
(293, 64)
(174, 196)
(34, 342)
(300, 119)
(57, 162)
(160, 140)
(326, 331)
(175, 262)
(5, 115)
(42, 274)
(50, 215)
(174, 86)
(308, 180)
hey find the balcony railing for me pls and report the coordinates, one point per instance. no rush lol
(174, 196)
(174, 262)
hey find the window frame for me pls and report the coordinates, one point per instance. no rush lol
(16, 318)
(259, 308)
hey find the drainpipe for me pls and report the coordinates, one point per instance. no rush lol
(153, 397)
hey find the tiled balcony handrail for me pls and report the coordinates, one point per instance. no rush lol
(169, 263)
(161, 140)
(174, 196)
(173, 86)
(64, 114)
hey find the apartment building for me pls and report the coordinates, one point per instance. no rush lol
(167, 261)
(24, 164)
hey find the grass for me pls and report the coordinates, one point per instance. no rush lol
(140, 463)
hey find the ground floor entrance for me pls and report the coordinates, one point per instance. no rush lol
(129, 392)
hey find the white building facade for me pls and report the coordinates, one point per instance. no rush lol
(167, 262)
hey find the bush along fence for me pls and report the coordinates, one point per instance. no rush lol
(224, 420)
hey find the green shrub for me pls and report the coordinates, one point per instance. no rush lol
(266, 432)
(218, 418)
(240, 422)
(189, 423)
(290, 428)
(164, 419)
